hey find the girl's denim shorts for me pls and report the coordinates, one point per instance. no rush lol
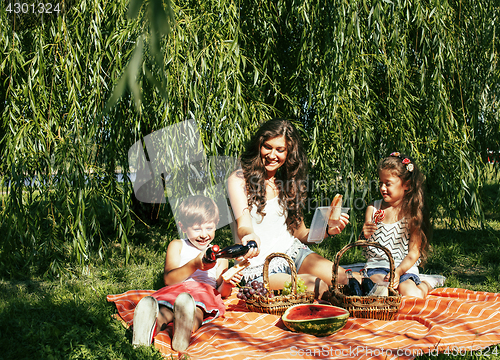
(385, 271)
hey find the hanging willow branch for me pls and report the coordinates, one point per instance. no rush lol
(360, 79)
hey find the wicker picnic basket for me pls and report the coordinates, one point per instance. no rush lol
(371, 307)
(278, 304)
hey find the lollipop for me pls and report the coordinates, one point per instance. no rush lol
(378, 216)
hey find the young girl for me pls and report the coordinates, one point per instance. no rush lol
(405, 230)
(193, 291)
(267, 196)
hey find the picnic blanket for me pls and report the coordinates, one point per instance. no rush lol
(451, 321)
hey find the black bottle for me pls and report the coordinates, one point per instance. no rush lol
(211, 254)
(234, 251)
(354, 286)
(366, 283)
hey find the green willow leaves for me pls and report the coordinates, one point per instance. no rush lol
(360, 79)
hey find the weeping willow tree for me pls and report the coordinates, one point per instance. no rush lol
(359, 78)
(370, 77)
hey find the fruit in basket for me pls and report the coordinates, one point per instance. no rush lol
(315, 319)
(255, 287)
(287, 289)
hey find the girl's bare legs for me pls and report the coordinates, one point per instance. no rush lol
(409, 288)
(198, 318)
(377, 278)
(312, 283)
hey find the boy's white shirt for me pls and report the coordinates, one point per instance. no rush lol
(188, 253)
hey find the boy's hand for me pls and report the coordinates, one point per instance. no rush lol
(369, 229)
(234, 280)
(201, 265)
(228, 274)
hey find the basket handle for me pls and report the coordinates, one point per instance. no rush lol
(292, 268)
(335, 267)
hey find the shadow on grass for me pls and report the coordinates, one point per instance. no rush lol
(39, 323)
(469, 255)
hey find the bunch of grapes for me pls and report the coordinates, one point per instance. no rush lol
(255, 287)
(301, 287)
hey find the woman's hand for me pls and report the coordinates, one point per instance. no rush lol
(252, 252)
(338, 227)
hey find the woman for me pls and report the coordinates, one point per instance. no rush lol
(267, 196)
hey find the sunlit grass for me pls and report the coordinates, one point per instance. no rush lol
(71, 319)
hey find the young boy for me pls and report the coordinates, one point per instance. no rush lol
(194, 289)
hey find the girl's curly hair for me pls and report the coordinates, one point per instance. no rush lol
(414, 205)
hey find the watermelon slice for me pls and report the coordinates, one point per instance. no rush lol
(315, 319)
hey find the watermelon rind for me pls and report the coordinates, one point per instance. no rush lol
(321, 326)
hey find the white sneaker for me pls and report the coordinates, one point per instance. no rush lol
(144, 325)
(184, 314)
(433, 280)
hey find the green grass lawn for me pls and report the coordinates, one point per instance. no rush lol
(71, 319)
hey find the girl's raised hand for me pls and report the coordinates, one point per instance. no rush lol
(369, 228)
(396, 279)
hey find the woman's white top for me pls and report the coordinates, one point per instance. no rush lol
(188, 253)
(274, 237)
(395, 237)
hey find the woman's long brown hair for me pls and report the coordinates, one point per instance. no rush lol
(290, 177)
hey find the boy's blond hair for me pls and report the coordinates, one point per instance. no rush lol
(197, 210)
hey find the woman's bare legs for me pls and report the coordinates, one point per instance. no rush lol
(312, 283)
(316, 271)
(318, 266)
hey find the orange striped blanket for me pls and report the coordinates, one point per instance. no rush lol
(451, 321)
